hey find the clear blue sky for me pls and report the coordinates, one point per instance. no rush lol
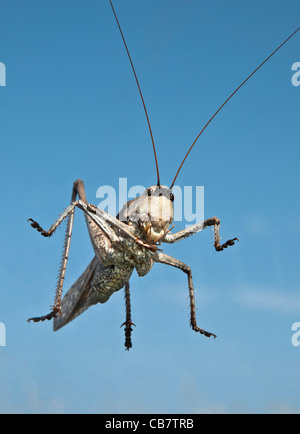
(71, 110)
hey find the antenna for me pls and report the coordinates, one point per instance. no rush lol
(228, 99)
(142, 98)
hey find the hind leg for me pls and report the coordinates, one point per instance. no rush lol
(101, 240)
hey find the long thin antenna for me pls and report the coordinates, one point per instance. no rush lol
(245, 81)
(138, 85)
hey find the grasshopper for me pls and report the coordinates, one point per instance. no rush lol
(128, 241)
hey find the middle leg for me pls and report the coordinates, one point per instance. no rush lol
(168, 260)
(128, 323)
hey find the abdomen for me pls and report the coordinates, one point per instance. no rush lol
(110, 279)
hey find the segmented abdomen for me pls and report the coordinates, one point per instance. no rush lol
(109, 279)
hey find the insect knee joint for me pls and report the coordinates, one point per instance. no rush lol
(214, 221)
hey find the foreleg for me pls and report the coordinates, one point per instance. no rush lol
(214, 221)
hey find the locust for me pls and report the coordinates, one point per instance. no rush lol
(131, 240)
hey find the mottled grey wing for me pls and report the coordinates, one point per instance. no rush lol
(78, 298)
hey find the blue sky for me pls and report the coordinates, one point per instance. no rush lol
(71, 109)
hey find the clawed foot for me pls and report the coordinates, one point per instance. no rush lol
(152, 247)
(228, 243)
(36, 226)
(128, 329)
(48, 317)
(203, 332)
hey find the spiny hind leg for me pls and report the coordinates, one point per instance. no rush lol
(56, 308)
(78, 189)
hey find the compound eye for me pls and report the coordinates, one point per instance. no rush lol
(172, 197)
(149, 191)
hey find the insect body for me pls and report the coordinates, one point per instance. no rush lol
(126, 242)
(120, 248)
